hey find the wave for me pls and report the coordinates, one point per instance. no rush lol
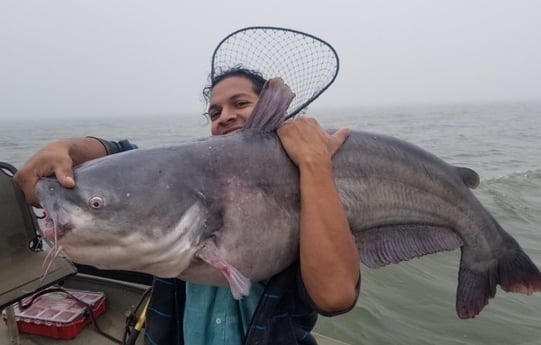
(515, 200)
(529, 178)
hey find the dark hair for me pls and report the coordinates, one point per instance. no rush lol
(238, 71)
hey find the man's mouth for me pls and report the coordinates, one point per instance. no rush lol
(232, 129)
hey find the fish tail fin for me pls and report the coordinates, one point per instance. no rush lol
(474, 289)
(517, 272)
(514, 272)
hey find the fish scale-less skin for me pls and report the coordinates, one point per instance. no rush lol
(401, 202)
(409, 183)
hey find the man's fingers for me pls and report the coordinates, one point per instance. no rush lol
(65, 177)
(339, 137)
(342, 134)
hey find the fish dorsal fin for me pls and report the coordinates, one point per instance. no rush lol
(271, 107)
(469, 177)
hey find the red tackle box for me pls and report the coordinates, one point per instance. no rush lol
(56, 314)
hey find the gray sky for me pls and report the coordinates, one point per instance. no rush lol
(126, 57)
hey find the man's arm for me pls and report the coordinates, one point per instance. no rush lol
(329, 260)
(59, 158)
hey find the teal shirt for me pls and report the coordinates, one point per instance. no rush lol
(213, 317)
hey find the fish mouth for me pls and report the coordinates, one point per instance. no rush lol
(52, 229)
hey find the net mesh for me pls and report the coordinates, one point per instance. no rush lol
(307, 64)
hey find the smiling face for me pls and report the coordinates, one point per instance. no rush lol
(231, 104)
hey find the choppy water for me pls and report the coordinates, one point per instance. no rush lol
(413, 302)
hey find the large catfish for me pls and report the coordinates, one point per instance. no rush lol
(225, 210)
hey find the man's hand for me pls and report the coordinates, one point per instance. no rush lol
(58, 159)
(306, 142)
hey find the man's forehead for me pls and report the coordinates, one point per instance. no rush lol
(231, 88)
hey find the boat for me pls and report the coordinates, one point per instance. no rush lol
(22, 254)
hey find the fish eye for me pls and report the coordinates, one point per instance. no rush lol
(96, 202)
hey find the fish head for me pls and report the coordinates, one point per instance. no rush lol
(118, 219)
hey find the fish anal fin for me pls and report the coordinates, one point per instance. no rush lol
(392, 244)
(238, 283)
(270, 110)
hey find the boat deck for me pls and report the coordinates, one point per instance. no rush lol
(121, 298)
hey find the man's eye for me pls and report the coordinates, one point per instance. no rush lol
(242, 104)
(214, 115)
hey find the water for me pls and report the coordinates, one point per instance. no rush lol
(413, 302)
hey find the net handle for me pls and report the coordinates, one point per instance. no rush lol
(317, 94)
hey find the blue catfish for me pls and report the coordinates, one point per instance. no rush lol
(225, 210)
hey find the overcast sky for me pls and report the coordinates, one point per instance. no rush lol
(124, 57)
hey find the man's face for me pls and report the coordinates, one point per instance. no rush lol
(231, 103)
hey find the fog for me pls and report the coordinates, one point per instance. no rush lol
(120, 58)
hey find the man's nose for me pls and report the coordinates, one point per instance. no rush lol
(228, 114)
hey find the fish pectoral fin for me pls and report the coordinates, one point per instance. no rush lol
(395, 243)
(238, 283)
